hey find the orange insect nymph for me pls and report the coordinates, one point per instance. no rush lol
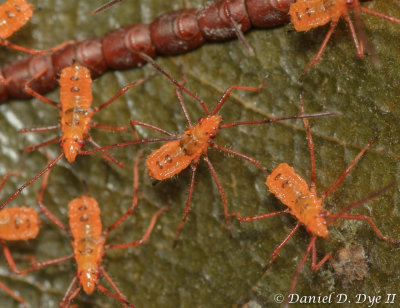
(88, 242)
(293, 191)
(175, 156)
(16, 224)
(188, 148)
(19, 224)
(76, 112)
(302, 202)
(309, 14)
(14, 14)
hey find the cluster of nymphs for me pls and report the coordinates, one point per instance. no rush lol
(74, 63)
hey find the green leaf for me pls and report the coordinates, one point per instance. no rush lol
(208, 268)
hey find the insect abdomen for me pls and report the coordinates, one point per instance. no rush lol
(293, 191)
(76, 100)
(19, 224)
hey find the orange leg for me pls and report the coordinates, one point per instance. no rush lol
(232, 152)
(120, 299)
(50, 165)
(370, 221)
(318, 56)
(37, 95)
(13, 295)
(221, 192)
(310, 147)
(34, 265)
(113, 285)
(193, 166)
(173, 80)
(348, 169)
(5, 178)
(121, 92)
(228, 91)
(134, 203)
(105, 155)
(134, 142)
(107, 127)
(276, 250)
(336, 216)
(39, 129)
(144, 237)
(258, 217)
(69, 294)
(380, 15)
(7, 43)
(44, 209)
(157, 129)
(359, 47)
(31, 148)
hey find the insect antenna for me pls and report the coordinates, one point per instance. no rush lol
(173, 80)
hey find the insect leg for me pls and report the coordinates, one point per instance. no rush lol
(5, 178)
(299, 268)
(145, 236)
(38, 129)
(121, 92)
(257, 217)
(276, 250)
(359, 47)
(69, 294)
(120, 299)
(134, 203)
(114, 286)
(33, 51)
(31, 148)
(133, 142)
(37, 95)
(371, 222)
(318, 56)
(228, 91)
(44, 208)
(13, 295)
(140, 123)
(193, 166)
(359, 202)
(107, 127)
(173, 80)
(50, 165)
(348, 169)
(34, 265)
(310, 147)
(314, 265)
(221, 192)
(105, 155)
(232, 152)
(380, 15)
